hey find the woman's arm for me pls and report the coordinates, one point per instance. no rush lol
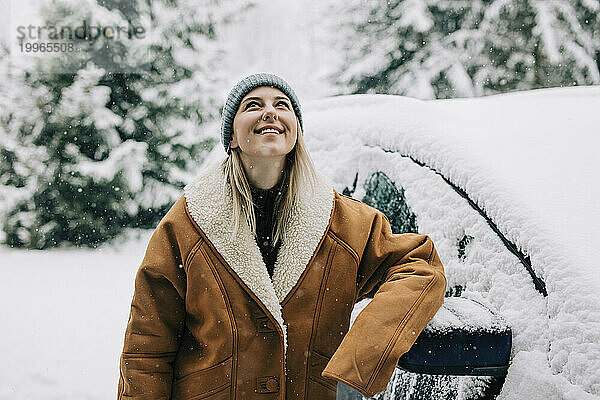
(156, 320)
(405, 277)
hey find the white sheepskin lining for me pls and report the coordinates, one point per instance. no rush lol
(213, 212)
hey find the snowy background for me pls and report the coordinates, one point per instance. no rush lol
(527, 159)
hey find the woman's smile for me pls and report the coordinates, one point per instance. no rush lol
(269, 130)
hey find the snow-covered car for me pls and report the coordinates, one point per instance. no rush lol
(507, 186)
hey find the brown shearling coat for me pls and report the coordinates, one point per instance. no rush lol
(207, 321)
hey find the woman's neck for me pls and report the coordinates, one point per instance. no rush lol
(264, 173)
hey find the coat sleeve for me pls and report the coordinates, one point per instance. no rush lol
(405, 277)
(156, 321)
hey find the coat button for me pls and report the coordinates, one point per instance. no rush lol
(267, 384)
(272, 384)
(271, 326)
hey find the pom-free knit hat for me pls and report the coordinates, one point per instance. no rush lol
(241, 89)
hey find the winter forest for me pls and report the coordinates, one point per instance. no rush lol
(98, 144)
(88, 150)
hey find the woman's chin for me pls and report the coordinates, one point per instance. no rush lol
(271, 151)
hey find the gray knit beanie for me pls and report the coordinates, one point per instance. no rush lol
(241, 89)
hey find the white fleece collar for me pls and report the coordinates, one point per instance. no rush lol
(212, 209)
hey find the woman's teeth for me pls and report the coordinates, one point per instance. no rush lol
(269, 131)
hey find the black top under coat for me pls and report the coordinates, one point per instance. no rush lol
(265, 203)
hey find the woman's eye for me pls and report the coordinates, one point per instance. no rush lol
(284, 103)
(250, 104)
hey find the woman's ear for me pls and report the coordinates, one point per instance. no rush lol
(233, 143)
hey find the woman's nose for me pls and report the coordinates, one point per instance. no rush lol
(269, 113)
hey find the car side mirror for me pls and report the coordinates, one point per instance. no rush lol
(463, 338)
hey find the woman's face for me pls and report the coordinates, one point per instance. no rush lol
(265, 124)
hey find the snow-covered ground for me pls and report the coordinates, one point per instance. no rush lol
(527, 159)
(63, 316)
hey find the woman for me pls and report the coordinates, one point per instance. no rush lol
(230, 303)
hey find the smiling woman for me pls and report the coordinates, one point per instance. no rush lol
(265, 130)
(249, 281)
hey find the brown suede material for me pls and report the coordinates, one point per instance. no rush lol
(196, 331)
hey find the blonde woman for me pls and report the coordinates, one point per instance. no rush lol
(248, 282)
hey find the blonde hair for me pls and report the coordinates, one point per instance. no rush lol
(299, 174)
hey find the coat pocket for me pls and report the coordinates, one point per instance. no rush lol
(205, 383)
(318, 362)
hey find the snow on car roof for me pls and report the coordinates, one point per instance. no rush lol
(530, 159)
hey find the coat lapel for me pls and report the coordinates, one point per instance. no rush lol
(209, 200)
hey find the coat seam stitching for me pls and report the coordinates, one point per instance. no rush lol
(354, 385)
(430, 255)
(122, 379)
(192, 254)
(203, 370)
(347, 247)
(210, 392)
(317, 315)
(323, 382)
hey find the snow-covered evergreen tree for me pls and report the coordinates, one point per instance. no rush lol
(22, 162)
(455, 48)
(105, 138)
